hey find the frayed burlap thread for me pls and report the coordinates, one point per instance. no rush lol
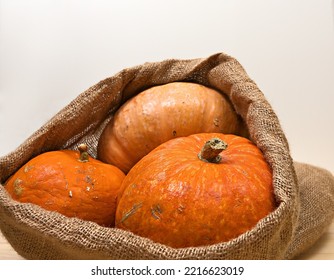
(39, 234)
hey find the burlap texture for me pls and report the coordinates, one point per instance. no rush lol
(305, 205)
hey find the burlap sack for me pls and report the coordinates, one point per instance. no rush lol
(306, 204)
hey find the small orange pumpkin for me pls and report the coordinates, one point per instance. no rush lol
(161, 113)
(71, 183)
(197, 190)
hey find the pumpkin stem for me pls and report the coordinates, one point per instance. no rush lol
(84, 156)
(211, 150)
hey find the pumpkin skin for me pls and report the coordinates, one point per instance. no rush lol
(161, 113)
(71, 183)
(173, 197)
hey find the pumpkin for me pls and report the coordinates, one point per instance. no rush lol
(161, 113)
(71, 183)
(197, 190)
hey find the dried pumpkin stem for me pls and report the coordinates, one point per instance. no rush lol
(211, 150)
(84, 156)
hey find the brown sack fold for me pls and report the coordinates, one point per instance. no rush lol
(305, 193)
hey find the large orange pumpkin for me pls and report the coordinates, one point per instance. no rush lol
(161, 113)
(71, 183)
(197, 190)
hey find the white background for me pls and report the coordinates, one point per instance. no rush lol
(50, 51)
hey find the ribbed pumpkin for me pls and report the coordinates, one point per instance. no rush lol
(161, 113)
(71, 183)
(197, 190)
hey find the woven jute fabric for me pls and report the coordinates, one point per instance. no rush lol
(304, 193)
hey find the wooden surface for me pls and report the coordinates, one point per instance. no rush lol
(323, 249)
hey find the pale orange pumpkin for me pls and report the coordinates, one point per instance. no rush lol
(71, 183)
(197, 190)
(161, 113)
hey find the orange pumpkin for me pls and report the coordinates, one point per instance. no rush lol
(71, 183)
(196, 190)
(161, 113)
